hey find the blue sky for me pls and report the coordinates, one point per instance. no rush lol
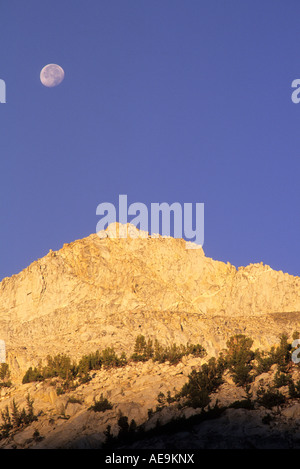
(163, 100)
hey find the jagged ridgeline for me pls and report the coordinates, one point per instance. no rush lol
(101, 292)
(110, 338)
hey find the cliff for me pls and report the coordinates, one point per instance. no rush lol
(102, 290)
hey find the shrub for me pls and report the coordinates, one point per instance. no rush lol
(169, 398)
(17, 418)
(101, 405)
(241, 374)
(4, 371)
(109, 438)
(281, 379)
(196, 350)
(126, 429)
(143, 350)
(159, 352)
(36, 436)
(174, 353)
(59, 366)
(238, 357)
(269, 398)
(85, 378)
(109, 358)
(32, 374)
(4, 376)
(202, 383)
(264, 361)
(242, 404)
(5, 384)
(123, 424)
(89, 362)
(7, 423)
(74, 400)
(239, 349)
(123, 359)
(294, 389)
(161, 398)
(282, 355)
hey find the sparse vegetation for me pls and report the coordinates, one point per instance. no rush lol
(125, 427)
(281, 379)
(4, 375)
(238, 359)
(74, 400)
(131, 433)
(294, 389)
(62, 367)
(32, 374)
(202, 383)
(101, 405)
(144, 350)
(264, 361)
(72, 374)
(58, 366)
(16, 418)
(244, 365)
(279, 355)
(242, 404)
(36, 436)
(270, 398)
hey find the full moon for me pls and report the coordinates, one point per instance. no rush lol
(52, 75)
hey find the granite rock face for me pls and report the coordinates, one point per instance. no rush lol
(105, 290)
(66, 421)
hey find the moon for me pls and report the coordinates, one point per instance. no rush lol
(52, 75)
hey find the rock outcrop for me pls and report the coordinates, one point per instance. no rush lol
(102, 291)
(66, 421)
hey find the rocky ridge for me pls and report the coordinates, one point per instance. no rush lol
(102, 290)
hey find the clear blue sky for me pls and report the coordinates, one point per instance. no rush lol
(163, 100)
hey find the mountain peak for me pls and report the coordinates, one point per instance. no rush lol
(106, 289)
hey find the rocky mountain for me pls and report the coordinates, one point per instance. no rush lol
(104, 291)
